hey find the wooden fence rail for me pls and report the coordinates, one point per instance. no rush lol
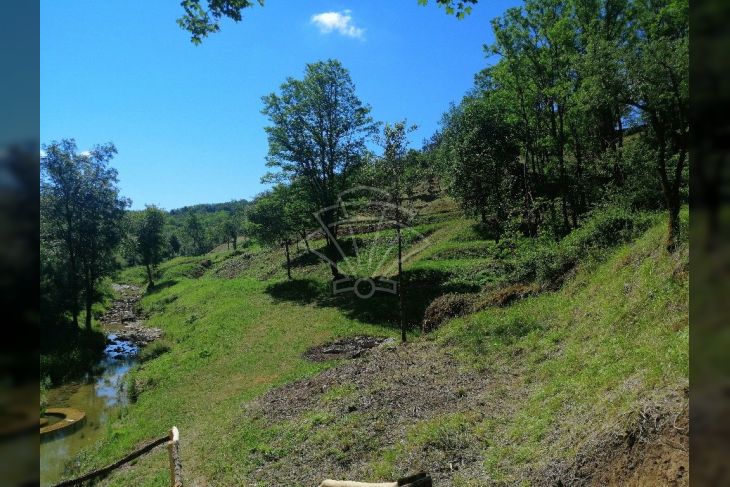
(173, 441)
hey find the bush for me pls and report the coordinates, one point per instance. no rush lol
(548, 262)
(446, 307)
(69, 353)
(136, 385)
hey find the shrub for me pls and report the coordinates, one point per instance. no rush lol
(507, 295)
(69, 353)
(548, 262)
(446, 307)
(137, 385)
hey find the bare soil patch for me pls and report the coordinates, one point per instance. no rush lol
(347, 348)
(355, 412)
(654, 450)
(371, 402)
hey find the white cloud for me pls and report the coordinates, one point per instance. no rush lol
(337, 21)
(85, 153)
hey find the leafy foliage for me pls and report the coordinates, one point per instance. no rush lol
(81, 224)
(151, 241)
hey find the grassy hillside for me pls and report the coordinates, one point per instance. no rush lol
(582, 364)
(509, 394)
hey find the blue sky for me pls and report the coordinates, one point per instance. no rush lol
(186, 119)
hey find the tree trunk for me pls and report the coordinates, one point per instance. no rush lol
(235, 242)
(89, 300)
(670, 189)
(288, 260)
(74, 285)
(673, 227)
(333, 254)
(149, 276)
(400, 287)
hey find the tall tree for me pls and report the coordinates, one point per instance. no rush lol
(658, 81)
(151, 240)
(174, 243)
(233, 225)
(196, 233)
(317, 136)
(83, 211)
(392, 172)
(484, 155)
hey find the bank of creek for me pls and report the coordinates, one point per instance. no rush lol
(100, 395)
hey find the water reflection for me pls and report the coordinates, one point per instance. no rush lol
(101, 396)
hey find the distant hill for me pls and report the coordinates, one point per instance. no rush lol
(228, 206)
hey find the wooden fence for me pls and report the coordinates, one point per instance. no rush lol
(173, 445)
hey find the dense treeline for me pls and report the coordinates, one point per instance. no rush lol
(81, 227)
(191, 230)
(586, 106)
(87, 233)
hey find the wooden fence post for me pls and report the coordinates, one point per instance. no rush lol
(175, 463)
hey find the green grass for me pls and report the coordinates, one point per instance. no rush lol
(590, 356)
(580, 358)
(229, 340)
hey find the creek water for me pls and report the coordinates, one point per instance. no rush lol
(101, 396)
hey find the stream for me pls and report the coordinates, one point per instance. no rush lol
(103, 395)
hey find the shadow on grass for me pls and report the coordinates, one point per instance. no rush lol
(421, 287)
(486, 231)
(305, 259)
(308, 258)
(161, 285)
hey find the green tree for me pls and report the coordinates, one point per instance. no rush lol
(82, 213)
(658, 81)
(233, 225)
(317, 136)
(151, 240)
(392, 173)
(301, 209)
(484, 154)
(272, 222)
(174, 243)
(196, 233)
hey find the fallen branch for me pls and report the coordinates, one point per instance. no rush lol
(105, 470)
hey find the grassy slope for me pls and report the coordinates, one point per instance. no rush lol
(230, 341)
(587, 359)
(594, 350)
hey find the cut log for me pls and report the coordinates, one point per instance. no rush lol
(350, 483)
